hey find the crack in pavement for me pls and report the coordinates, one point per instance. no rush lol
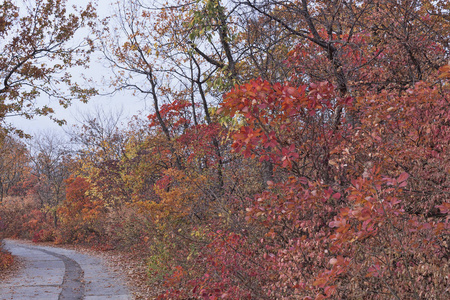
(73, 283)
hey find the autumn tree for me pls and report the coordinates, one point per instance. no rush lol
(50, 165)
(99, 131)
(101, 142)
(171, 78)
(14, 164)
(365, 45)
(81, 217)
(183, 57)
(40, 43)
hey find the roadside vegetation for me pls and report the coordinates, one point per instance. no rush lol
(6, 260)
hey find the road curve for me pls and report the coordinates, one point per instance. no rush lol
(52, 273)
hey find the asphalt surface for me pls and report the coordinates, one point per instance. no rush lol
(52, 273)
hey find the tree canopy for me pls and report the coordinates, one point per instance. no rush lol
(39, 48)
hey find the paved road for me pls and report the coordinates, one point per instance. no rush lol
(52, 273)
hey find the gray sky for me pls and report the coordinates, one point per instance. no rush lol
(131, 105)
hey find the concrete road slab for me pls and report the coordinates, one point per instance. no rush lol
(31, 292)
(56, 273)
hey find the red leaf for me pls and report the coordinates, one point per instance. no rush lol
(402, 177)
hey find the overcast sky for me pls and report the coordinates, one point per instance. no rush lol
(131, 105)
